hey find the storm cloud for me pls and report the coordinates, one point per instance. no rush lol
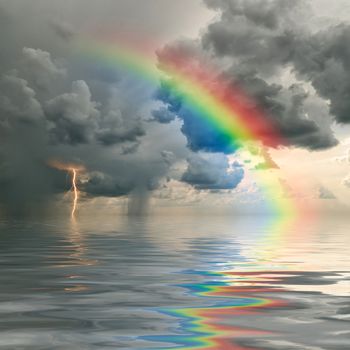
(57, 105)
(76, 122)
(268, 49)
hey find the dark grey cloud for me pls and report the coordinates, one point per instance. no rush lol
(285, 106)
(114, 129)
(168, 157)
(258, 44)
(73, 116)
(70, 118)
(323, 59)
(39, 68)
(212, 172)
(72, 123)
(18, 101)
(100, 184)
(261, 32)
(25, 181)
(163, 115)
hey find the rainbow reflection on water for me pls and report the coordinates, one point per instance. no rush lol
(247, 288)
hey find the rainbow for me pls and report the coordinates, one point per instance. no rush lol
(233, 114)
(210, 96)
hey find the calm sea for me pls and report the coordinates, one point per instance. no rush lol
(183, 282)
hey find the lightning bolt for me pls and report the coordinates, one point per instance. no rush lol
(73, 169)
(75, 191)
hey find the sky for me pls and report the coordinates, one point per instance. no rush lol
(138, 147)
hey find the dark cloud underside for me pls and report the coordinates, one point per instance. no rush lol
(257, 42)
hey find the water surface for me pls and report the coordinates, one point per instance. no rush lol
(175, 283)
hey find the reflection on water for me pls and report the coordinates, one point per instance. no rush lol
(175, 283)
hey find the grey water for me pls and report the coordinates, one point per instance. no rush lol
(107, 283)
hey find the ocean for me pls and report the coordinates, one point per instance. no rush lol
(175, 282)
